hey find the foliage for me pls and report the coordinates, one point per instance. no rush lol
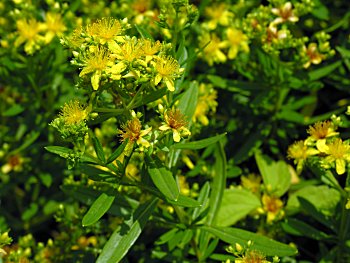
(172, 131)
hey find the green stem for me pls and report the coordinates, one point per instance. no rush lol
(343, 230)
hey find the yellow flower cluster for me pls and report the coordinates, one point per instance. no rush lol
(324, 142)
(33, 34)
(107, 54)
(218, 48)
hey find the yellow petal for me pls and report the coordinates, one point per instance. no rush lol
(157, 79)
(164, 127)
(170, 85)
(176, 136)
(321, 145)
(95, 80)
(340, 166)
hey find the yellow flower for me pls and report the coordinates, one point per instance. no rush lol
(105, 30)
(13, 163)
(338, 152)
(128, 51)
(251, 182)
(175, 121)
(212, 51)
(168, 69)
(300, 152)
(28, 31)
(312, 54)
(150, 48)
(132, 131)
(206, 102)
(96, 62)
(272, 206)
(285, 13)
(53, 26)
(319, 132)
(236, 41)
(218, 14)
(73, 112)
(275, 35)
(252, 256)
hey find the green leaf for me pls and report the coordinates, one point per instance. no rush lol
(122, 239)
(185, 201)
(59, 150)
(87, 196)
(322, 197)
(13, 110)
(29, 140)
(276, 175)
(203, 199)
(260, 243)
(218, 185)
(117, 152)
(235, 205)
(291, 116)
(98, 148)
(320, 11)
(30, 212)
(188, 101)
(324, 71)
(150, 97)
(196, 145)
(163, 179)
(143, 32)
(46, 179)
(250, 145)
(98, 209)
(300, 228)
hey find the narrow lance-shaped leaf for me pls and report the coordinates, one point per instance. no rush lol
(163, 179)
(117, 152)
(188, 101)
(59, 150)
(261, 243)
(200, 144)
(122, 239)
(98, 148)
(218, 187)
(98, 209)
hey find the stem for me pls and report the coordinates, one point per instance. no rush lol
(344, 226)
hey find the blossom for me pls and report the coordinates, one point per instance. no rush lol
(285, 13)
(236, 41)
(127, 51)
(167, 70)
(272, 206)
(218, 15)
(300, 152)
(150, 48)
(96, 62)
(312, 54)
(275, 35)
(338, 152)
(319, 132)
(73, 112)
(206, 102)
(132, 131)
(175, 121)
(105, 30)
(252, 182)
(54, 26)
(212, 49)
(252, 256)
(29, 33)
(13, 163)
